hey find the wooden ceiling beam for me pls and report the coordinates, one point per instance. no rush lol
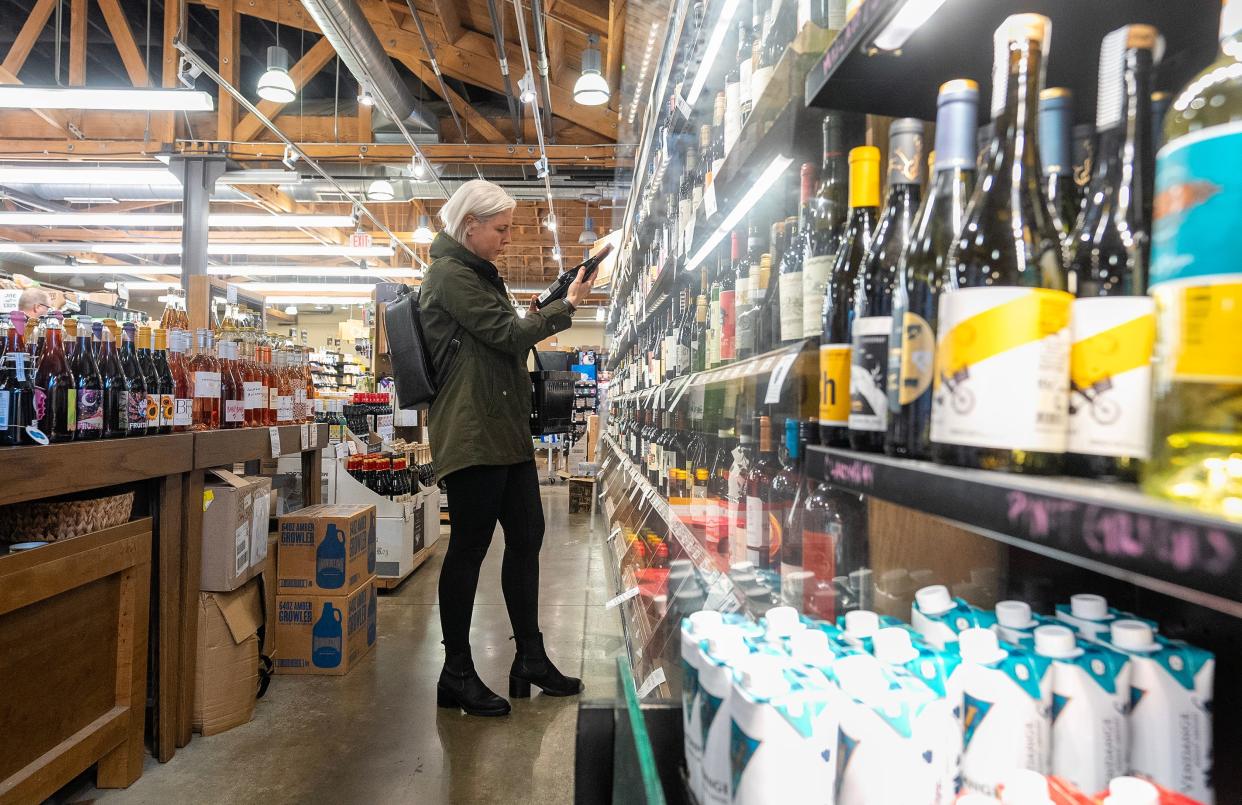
(35, 22)
(53, 117)
(78, 11)
(450, 19)
(228, 67)
(616, 43)
(307, 67)
(486, 129)
(123, 38)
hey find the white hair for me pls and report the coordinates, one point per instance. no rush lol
(478, 198)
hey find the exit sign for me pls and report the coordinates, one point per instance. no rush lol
(360, 240)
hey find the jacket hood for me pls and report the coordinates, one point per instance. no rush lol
(446, 246)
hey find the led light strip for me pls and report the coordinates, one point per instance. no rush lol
(770, 174)
(155, 220)
(243, 249)
(723, 22)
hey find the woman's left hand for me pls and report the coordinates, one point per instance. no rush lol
(534, 307)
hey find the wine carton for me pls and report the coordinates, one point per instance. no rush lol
(234, 539)
(325, 634)
(327, 550)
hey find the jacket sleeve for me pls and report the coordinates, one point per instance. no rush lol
(492, 320)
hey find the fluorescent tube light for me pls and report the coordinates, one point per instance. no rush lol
(156, 220)
(143, 285)
(15, 96)
(129, 176)
(723, 23)
(98, 269)
(317, 300)
(770, 174)
(173, 247)
(908, 19)
(306, 287)
(258, 270)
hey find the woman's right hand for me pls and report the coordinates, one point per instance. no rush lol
(578, 290)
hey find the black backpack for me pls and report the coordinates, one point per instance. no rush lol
(413, 366)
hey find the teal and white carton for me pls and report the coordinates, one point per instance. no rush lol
(783, 737)
(1006, 710)
(694, 630)
(940, 617)
(895, 647)
(1015, 623)
(1092, 617)
(859, 627)
(1090, 699)
(900, 743)
(722, 651)
(1170, 708)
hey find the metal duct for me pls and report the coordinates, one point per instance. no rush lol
(541, 50)
(354, 40)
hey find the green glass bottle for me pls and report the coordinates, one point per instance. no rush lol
(1197, 286)
(1002, 369)
(923, 273)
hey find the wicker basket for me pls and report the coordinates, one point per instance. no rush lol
(53, 520)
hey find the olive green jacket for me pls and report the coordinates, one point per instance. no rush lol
(482, 413)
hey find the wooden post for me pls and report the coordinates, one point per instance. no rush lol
(226, 117)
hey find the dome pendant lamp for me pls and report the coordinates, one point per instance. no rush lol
(591, 89)
(275, 84)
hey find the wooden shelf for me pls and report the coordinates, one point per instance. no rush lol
(218, 448)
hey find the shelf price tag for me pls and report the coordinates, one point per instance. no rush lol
(274, 434)
(653, 680)
(778, 378)
(305, 434)
(342, 449)
(709, 200)
(230, 293)
(314, 435)
(621, 599)
(682, 106)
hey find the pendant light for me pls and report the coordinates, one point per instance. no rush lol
(276, 85)
(380, 190)
(424, 234)
(588, 230)
(591, 89)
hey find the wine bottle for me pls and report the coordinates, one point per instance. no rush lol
(1002, 376)
(760, 548)
(698, 355)
(89, 384)
(714, 326)
(743, 456)
(205, 384)
(1082, 150)
(1159, 108)
(146, 363)
(1056, 113)
(728, 299)
(1113, 322)
(137, 381)
(829, 212)
(115, 384)
(786, 499)
(834, 348)
(873, 288)
(791, 274)
(165, 382)
(183, 392)
(923, 272)
(55, 394)
(743, 67)
(17, 393)
(1197, 286)
(744, 315)
(560, 287)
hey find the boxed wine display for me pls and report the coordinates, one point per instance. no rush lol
(325, 634)
(226, 675)
(235, 511)
(327, 549)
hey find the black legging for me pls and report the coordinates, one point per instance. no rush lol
(477, 498)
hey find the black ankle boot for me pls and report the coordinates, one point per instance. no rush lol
(531, 666)
(461, 687)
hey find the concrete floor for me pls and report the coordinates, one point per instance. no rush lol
(376, 735)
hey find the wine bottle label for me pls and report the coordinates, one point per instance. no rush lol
(776, 529)
(6, 400)
(1199, 323)
(273, 398)
(834, 384)
(791, 306)
(911, 359)
(713, 335)
(168, 410)
(814, 281)
(90, 410)
(1002, 369)
(183, 412)
(733, 115)
(728, 325)
(869, 373)
(819, 557)
(757, 532)
(683, 358)
(1110, 376)
(254, 394)
(122, 411)
(137, 411)
(759, 82)
(234, 410)
(153, 410)
(746, 70)
(284, 408)
(206, 384)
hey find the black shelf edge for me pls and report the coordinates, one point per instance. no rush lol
(1104, 527)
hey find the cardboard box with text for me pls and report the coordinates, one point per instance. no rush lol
(325, 634)
(327, 549)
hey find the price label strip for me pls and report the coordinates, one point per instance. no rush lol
(305, 434)
(709, 199)
(617, 601)
(314, 436)
(274, 434)
(653, 680)
(778, 378)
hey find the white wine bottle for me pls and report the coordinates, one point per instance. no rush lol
(1197, 284)
(1002, 374)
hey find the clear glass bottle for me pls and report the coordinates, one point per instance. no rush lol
(205, 384)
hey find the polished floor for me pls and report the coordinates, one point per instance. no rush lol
(376, 736)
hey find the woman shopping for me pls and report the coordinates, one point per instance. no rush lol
(481, 442)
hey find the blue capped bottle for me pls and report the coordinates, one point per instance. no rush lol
(326, 638)
(330, 560)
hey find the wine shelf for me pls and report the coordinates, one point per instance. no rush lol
(1108, 528)
(669, 393)
(853, 75)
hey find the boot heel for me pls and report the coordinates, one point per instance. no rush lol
(518, 688)
(447, 700)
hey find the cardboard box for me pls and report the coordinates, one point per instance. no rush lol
(327, 549)
(226, 678)
(269, 580)
(581, 495)
(592, 436)
(235, 512)
(325, 634)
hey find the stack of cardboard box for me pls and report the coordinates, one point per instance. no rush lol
(326, 600)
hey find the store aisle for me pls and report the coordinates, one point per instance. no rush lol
(376, 736)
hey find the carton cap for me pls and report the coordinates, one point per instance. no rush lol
(1133, 635)
(980, 646)
(726, 645)
(893, 646)
(1014, 614)
(742, 567)
(1024, 787)
(810, 647)
(1056, 641)
(933, 600)
(1089, 607)
(703, 621)
(1131, 791)
(861, 623)
(782, 619)
(761, 676)
(862, 677)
